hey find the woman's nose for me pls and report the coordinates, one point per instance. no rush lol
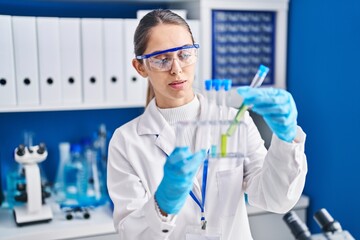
(175, 67)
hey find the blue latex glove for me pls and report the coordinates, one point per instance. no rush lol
(276, 106)
(179, 171)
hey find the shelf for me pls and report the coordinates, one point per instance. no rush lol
(70, 107)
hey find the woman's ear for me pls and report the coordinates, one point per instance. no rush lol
(139, 67)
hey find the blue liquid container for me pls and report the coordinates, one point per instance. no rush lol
(76, 176)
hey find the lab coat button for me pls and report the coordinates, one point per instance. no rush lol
(165, 230)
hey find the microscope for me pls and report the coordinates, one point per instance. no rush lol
(331, 229)
(33, 211)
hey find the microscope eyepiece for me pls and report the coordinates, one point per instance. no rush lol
(326, 222)
(299, 230)
(41, 148)
(331, 229)
(21, 150)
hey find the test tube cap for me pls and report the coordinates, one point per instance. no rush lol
(217, 84)
(263, 70)
(208, 85)
(227, 84)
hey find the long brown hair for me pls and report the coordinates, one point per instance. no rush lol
(141, 36)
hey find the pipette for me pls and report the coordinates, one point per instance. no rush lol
(256, 82)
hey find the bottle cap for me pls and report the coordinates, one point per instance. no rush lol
(263, 70)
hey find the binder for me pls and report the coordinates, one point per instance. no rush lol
(195, 29)
(114, 60)
(70, 60)
(49, 60)
(7, 68)
(92, 59)
(135, 84)
(26, 60)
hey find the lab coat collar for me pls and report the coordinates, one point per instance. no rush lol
(151, 122)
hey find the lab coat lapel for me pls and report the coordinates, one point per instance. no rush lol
(153, 123)
(166, 139)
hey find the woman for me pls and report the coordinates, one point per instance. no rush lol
(149, 180)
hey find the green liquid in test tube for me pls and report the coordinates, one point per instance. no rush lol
(256, 82)
(223, 142)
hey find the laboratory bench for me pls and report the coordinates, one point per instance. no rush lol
(264, 225)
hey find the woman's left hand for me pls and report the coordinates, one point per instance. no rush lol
(277, 107)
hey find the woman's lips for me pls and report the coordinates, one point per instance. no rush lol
(178, 84)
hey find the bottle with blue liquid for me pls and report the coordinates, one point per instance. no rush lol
(76, 176)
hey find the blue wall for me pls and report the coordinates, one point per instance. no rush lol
(65, 8)
(323, 63)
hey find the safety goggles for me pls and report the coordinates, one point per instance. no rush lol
(162, 60)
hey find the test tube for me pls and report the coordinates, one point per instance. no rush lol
(216, 83)
(216, 131)
(226, 84)
(210, 98)
(208, 87)
(256, 82)
(211, 105)
(227, 87)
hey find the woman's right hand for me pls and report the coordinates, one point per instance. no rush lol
(276, 106)
(179, 171)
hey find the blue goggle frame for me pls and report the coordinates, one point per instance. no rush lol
(146, 56)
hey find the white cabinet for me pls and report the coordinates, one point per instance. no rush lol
(72, 73)
(269, 226)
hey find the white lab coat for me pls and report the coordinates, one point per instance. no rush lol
(273, 180)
